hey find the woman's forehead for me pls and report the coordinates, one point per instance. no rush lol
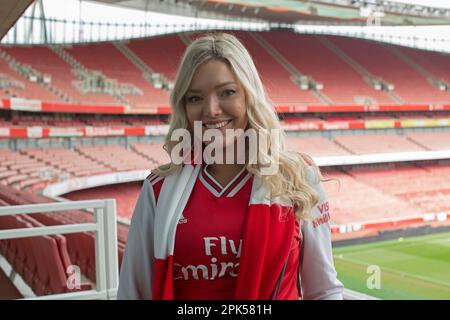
(211, 74)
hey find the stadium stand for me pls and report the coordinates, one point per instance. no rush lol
(111, 62)
(414, 184)
(275, 78)
(62, 76)
(124, 193)
(25, 88)
(152, 151)
(431, 140)
(342, 84)
(353, 200)
(161, 54)
(435, 63)
(315, 146)
(79, 247)
(410, 85)
(115, 158)
(376, 143)
(40, 261)
(358, 194)
(344, 65)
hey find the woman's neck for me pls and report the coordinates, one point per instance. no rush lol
(224, 173)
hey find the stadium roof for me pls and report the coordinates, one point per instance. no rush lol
(293, 11)
(10, 11)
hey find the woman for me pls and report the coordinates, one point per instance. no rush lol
(228, 229)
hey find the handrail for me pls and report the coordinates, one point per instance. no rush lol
(105, 231)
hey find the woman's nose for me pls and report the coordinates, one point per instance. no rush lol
(212, 107)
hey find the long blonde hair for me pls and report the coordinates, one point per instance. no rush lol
(290, 183)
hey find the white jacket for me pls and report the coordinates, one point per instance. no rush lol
(317, 272)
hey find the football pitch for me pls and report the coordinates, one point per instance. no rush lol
(409, 268)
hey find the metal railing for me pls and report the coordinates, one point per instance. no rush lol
(106, 259)
(105, 231)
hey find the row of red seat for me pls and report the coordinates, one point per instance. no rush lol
(319, 57)
(79, 248)
(75, 121)
(41, 261)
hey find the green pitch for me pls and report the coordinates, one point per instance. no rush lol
(409, 268)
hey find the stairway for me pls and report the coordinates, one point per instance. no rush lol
(147, 72)
(395, 97)
(341, 54)
(431, 78)
(78, 66)
(287, 65)
(67, 57)
(365, 74)
(26, 71)
(133, 57)
(275, 54)
(425, 73)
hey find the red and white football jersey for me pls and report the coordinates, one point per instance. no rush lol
(208, 241)
(202, 244)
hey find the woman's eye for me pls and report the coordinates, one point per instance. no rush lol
(228, 93)
(193, 99)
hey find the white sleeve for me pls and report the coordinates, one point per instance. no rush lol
(136, 273)
(317, 273)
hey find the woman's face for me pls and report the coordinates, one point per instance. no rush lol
(216, 98)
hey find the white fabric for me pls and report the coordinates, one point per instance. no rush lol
(172, 199)
(318, 276)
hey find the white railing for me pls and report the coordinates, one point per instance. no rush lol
(104, 228)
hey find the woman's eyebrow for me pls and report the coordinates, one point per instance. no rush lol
(218, 86)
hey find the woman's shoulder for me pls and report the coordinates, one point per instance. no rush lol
(312, 170)
(154, 178)
(158, 174)
(307, 158)
(156, 182)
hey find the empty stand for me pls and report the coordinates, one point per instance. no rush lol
(438, 64)
(112, 63)
(431, 140)
(79, 247)
(115, 157)
(31, 90)
(153, 152)
(376, 143)
(342, 84)
(46, 61)
(65, 163)
(425, 187)
(277, 80)
(125, 194)
(379, 61)
(329, 60)
(40, 261)
(315, 146)
(352, 200)
(162, 53)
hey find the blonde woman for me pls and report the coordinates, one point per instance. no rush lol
(210, 229)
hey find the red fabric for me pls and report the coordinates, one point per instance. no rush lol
(266, 243)
(163, 279)
(207, 244)
(268, 233)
